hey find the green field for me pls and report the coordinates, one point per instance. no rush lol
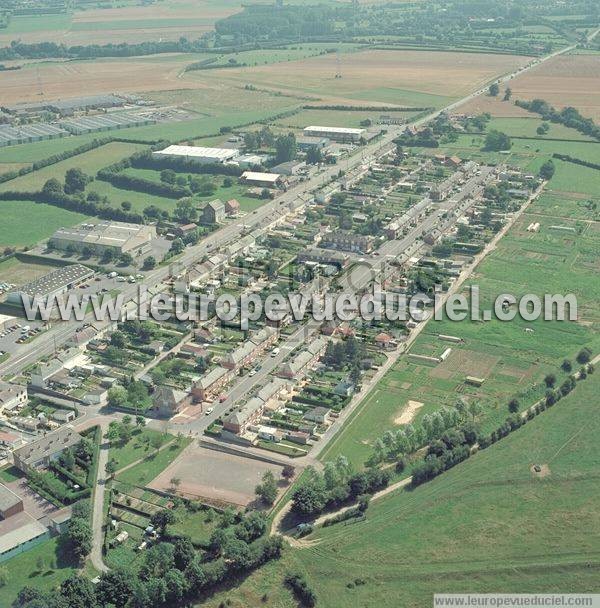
(489, 525)
(25, 24)
(56, 563)
(25, 223)
(153, 462)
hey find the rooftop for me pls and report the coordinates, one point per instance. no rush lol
(56, 280)
(110, 234)
(345, 130)
(50, 444)
(260, 177)
(220, 154)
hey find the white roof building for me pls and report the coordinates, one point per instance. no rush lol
(198, 153)
(255, 177)
(334, 133)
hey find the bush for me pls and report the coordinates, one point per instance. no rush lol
(298, 584)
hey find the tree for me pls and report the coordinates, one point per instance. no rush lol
(126, 259)
(550, 380)
(314, 156)
(111, 467)
(496, 141)
(149, 263)
(547, 170)
(494, 89)
(267, 489)
(168, 176)
(4, 576)
(584, 356)
(507, 94)
(52, 187)
(117, 396)
(75, 181)
(288, 472)
(80, 536)
(311, 496)
(161, 519)
(177, 246)
(78, 592)
(126, 206)
(115, 588)
(566, 366)
(118, 339)
(285, 148)
(185, 211)
(140, 422)
(513, 406)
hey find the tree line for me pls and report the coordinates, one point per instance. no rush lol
(569, 116)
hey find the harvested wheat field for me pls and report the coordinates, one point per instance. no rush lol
(569, 80)
(70, 79)
(131, 24)
(388, 77)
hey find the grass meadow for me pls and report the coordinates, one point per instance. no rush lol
(489, 525)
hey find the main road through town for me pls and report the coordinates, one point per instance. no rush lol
(261, 219)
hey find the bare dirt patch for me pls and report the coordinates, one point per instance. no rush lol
(540, 470)
(409, 411)
(214, 475)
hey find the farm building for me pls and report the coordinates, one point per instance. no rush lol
(198, 154)
(54, 283)
(11, 136)
(118, 237)
(105, 122)
(261, 180)
(339, 134)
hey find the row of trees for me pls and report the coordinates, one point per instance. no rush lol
(336, 485)
(569, 116)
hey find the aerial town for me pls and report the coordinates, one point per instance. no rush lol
(163, 460)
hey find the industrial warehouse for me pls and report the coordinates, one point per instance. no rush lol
(118, 237)
(198, 154)
(54, 283)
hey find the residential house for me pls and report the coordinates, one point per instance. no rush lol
(247, 415)
(213, 212)
(42, 451)
(247, 353)
(13, 397)
(208, 386)
(168, 401)
(298, 366)
(232, 207)
(344, 240)
(318, 414)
